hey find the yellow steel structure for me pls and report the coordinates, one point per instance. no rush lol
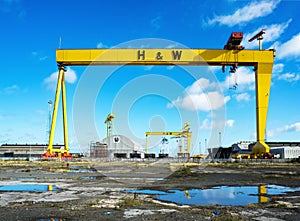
(185, 132)
(262, 194)
(60, 87)
(261, 60)
(109, 124)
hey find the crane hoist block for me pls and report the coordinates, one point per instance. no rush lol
(234, 41)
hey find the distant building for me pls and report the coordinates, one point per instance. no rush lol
(285, 150)
(98, 150)
(118, 146)
(24, 150)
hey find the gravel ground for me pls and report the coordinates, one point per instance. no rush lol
(94, 190)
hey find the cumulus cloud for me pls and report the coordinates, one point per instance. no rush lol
(291, 128)
(248, 13)
(289, 77)
(202, 101)
(244, 78)
(199, 85)
(287, 128)
(208, 125)
(278, 68)
(273, 32)
(201, 95)
(70, 77)
(291, 48)
(242, 97)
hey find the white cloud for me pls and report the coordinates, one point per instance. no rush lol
(291, 128)
(244, 78)
(205, 125)
(243, 15)
(39, 56)
(202, 101)
(290, 48)
(287, 128)
(229, 123)
(289, 77)
(278, 68)
(10, 90)
(70, 77)
(199, 85)
(101, 45)
(242, 97)
(273, 32)
(208, 125)
(196, 97)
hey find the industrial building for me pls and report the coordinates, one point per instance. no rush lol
(282, 150)
(98, 150)
(286, 150)
(24, 150)
(116, 146)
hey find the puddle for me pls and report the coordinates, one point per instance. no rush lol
(24, 178)
(147, 192)
(220, 195)
(52, 219)
(155, 179)
(76, 169)
(27, 188)
(91, 177)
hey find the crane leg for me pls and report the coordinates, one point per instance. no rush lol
(55, 109)
(147, 144)
(263, 77)
(64, 109)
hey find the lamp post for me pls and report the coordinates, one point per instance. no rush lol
(49, 117)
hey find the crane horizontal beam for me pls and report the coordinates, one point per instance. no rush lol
(167, 133)
(162, 56)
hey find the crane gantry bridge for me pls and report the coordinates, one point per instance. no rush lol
(261, 60)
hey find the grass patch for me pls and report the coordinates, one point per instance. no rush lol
(129, 202)
(184, 170)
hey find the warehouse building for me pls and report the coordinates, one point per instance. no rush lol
(119, 146)
(24, 150)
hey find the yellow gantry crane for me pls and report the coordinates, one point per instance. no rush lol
(184, 133)
(109, 124)
(232, 55)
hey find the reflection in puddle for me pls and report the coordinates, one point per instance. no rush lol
(148, 192)
(52, 219)
(27, 188)
(24, 178)
(91, 177)
(220, 195)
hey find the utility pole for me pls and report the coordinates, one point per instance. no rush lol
(49, 117)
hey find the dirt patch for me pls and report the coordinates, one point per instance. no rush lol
(90, 193)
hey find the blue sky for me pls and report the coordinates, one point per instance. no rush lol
(146, 98)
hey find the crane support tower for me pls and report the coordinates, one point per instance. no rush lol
(259, 37)
(184, 133)
(261, 60)
(109, 124)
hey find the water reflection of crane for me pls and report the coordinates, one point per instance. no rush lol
(187, 195)
(262, 194)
